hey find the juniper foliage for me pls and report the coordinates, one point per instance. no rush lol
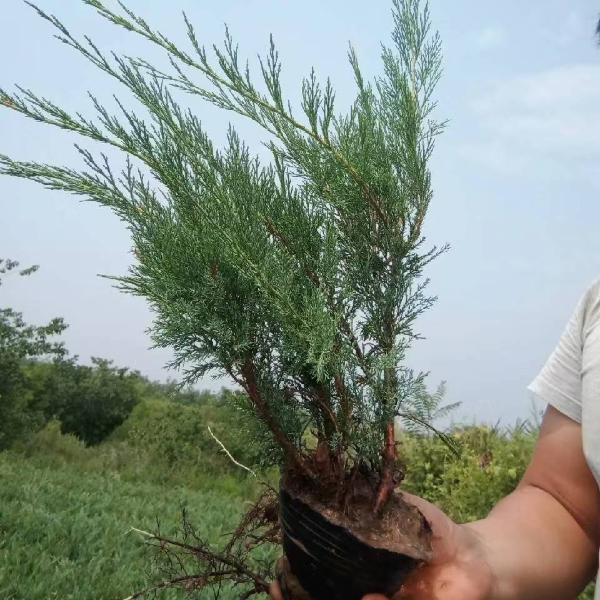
(301, 278)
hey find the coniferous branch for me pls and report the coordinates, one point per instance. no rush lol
(246, 99)
(301, 280)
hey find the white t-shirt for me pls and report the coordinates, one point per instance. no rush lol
(570, 379)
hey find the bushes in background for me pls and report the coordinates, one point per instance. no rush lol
(180, 433)
(490, 464)
(90, 401)
(21, 413)
(170, 442)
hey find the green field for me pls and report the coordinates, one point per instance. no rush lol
(63, 531)
(66, 510)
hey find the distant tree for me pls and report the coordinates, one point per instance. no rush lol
(102, 398)
(89, 401)
(174, 391)
(20, 414)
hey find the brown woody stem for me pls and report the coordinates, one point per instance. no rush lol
(251, 387)
(387, 472)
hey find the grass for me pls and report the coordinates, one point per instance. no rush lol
(65, 510)
(63, 531)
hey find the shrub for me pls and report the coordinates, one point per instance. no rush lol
(100, 399)
(489, 466)
(51, 442)
(178, 433)
(89, 401)
(20, 411)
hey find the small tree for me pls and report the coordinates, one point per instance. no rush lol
(300, 279)
(19, 414)
(96, 399)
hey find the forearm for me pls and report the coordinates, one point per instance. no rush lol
(536, 548)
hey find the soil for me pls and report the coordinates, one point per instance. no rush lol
(400, 527)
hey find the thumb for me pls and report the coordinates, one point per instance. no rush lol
(431, 512)
(440, 522)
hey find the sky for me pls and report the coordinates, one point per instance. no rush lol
(515, 175)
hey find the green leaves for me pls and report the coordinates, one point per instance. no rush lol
(9, 267)
(20, 415)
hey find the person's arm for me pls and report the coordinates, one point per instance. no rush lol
(542, 540)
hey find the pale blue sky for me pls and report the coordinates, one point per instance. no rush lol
(516, 174)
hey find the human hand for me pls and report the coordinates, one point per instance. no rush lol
(287, 581)
(458, 570)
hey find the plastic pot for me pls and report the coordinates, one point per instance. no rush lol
(330, 562)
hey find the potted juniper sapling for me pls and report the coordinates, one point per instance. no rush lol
(299, 279)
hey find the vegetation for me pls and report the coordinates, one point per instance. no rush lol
(300, 279)
(67, 501)
(90, 401)
(20, 412)
(181, 433)
(66, 511)
(66, 507)
(40, 383)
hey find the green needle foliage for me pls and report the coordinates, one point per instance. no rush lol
(300, 279)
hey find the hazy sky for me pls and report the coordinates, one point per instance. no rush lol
(515, 176)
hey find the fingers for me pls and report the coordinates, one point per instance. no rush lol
(288, 586)
(444, 529)
(275, 591)
(431, 512)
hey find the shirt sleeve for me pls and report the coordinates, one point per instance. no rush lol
(559, 381)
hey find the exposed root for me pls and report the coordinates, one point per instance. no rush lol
(190, 564)
(235, 462)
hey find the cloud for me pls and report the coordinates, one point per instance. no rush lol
(550, 117)
(490, 37)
